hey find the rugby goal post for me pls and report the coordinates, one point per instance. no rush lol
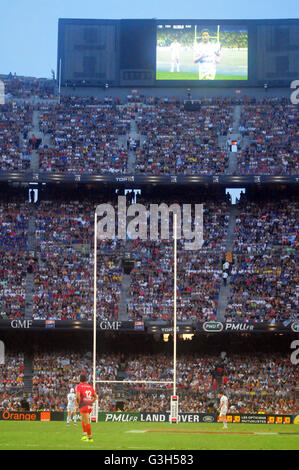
(173, 416)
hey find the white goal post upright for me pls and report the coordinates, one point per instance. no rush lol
(94, 414)
(95, 298)
(174, 398)
(174, 300)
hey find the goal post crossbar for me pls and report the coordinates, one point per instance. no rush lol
(134, 382)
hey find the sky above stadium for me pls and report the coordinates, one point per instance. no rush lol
(28, 28)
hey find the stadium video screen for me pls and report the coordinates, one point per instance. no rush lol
(201, 52)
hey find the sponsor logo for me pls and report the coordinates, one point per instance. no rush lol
(139, 325)
(125, 178)
(296, 420)
(120, 417)
(12, 416)
(109, 325)
(208, 419)
(238, 327)
(169, 330)
(154, 417)
(213, 326)
(21, 323)
(45, 416)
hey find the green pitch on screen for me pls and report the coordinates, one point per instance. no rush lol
(194, 76)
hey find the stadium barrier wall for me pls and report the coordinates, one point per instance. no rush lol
(118, 417)
(154, 327)
(32, 416)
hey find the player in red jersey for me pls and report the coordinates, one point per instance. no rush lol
(85, 398)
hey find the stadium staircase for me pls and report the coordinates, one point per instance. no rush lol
(234, 135)
(37, 133)
(22, 143)
(33, 196)
(124, 296)
(119, 393)
(135, 136)
(122, 141)
(125, 285)
(225, 289)
(28, 374)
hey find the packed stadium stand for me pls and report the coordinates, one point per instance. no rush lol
(263, 382)
(269, 131)
(246, 272)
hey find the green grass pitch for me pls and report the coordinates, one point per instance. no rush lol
(147, 436)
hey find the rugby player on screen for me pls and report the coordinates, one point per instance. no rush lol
(85, 398)
(207, 56)
(175, 50)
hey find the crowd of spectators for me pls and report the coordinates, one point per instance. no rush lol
(11, 374)
(63, 280)
(66, 253)
(13, 246)
(254, 383)
(176, 141)
(198, 272)
(264, 279)
(83, 136)
(151, 288)
(269, 129)
(55, 374)
(24, 88)
(15, 146)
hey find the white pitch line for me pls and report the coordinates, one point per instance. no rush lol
(143, 448)
(135, 432)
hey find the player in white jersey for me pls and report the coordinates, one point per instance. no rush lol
(175, 50)
(222, 409)
(207, 56)
(71, 407)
